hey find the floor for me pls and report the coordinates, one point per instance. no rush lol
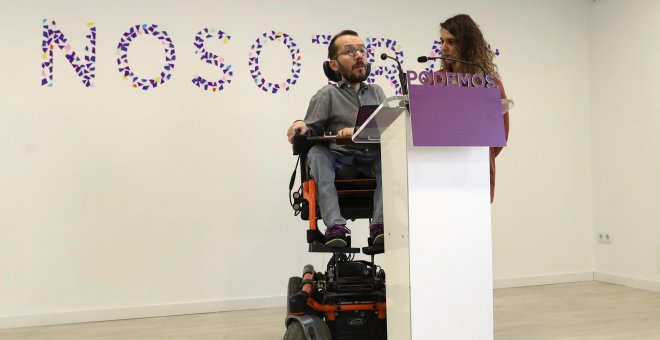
(584, 310)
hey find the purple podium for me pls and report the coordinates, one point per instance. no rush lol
(436, 196)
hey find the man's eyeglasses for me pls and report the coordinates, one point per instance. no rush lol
(351, 52)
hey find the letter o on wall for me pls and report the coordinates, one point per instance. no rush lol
(122, 60)
(255, 52)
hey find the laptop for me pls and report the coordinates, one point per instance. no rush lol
(364, 112)
(365, 121)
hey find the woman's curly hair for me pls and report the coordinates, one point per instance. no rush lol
(471, 45)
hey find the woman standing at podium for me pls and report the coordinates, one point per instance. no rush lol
(462, 39)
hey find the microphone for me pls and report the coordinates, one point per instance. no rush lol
(402, 76)
(424, 59)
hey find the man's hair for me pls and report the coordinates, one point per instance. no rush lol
(471, 44)
(332, 48)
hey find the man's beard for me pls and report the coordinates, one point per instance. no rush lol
(348, 75)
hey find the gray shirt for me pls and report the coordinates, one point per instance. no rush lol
(335, 107)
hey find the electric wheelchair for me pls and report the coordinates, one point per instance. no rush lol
(347, 301)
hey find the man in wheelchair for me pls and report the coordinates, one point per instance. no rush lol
(333, 111)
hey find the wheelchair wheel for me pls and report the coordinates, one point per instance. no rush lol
(318, 331)
(295, 284)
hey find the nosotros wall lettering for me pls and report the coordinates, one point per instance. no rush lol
(84, 61)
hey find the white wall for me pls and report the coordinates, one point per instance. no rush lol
(542, 209)
(118, 202)
(626, 157)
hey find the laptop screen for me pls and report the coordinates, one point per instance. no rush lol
(364, 112)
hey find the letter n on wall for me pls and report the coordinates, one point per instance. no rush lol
(53, 37)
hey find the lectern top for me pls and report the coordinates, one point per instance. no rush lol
(380, 119)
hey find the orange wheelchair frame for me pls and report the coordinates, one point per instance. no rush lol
(348, 300)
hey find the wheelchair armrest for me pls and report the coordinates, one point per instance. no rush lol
(300, 145)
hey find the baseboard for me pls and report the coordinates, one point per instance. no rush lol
(279, 301)
(627, 281)
(140, 312)
(540, 280)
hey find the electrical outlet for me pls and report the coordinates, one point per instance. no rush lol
(605, 238)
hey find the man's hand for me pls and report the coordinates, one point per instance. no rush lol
(298, 127)
(345, 133)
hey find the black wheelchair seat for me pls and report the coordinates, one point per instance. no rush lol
(355, 193)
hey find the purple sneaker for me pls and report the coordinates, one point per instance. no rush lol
(377, 233)
(335, 236)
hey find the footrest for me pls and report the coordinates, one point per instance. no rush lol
(374, 250)
(316, 247)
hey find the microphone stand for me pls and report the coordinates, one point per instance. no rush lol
(424, 59)
(402, 76)
(402, 80)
